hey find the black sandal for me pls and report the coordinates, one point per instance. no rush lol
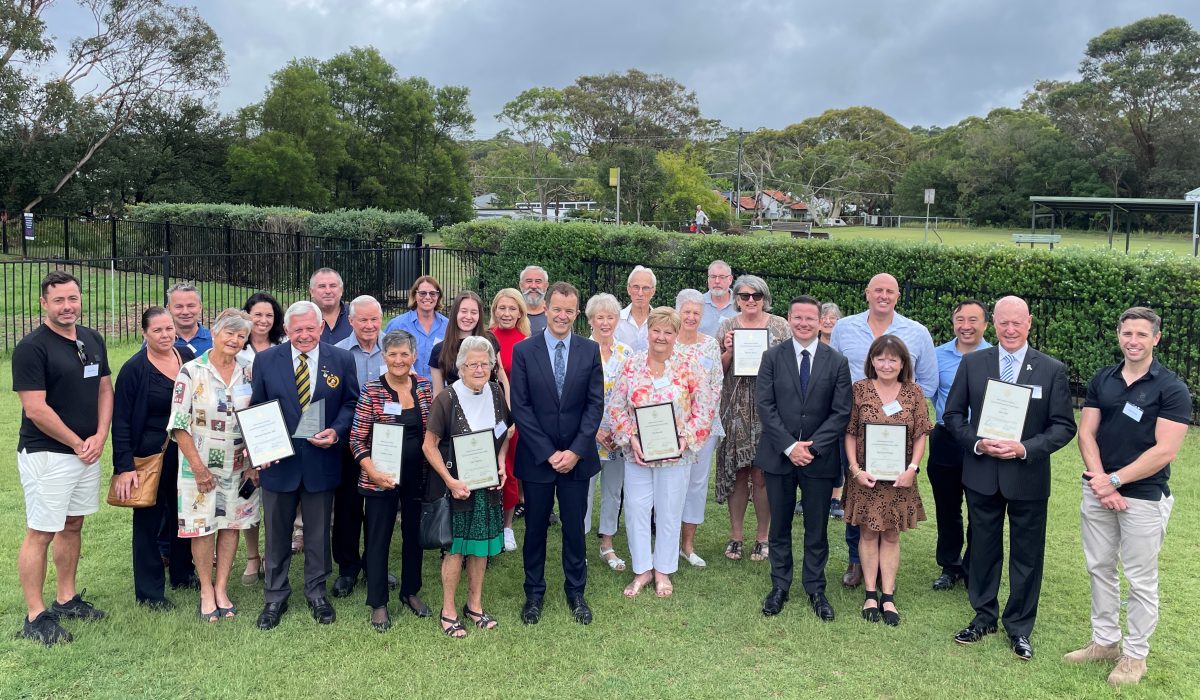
(482, 620)
(733, 550)
(421, 610)
(871, 614)
(890, 617)
(383, 625)
(455, 627)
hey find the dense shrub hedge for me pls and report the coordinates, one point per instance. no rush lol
(1075, 295)
(366, 224)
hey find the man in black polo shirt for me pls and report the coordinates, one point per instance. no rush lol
(60, 371)
(1134, 420)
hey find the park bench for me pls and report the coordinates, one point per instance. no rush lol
(799, 229)
(1035, 238)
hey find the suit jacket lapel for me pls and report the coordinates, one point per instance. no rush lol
(793, 370)
(993, 362)
(542, 359)
(288, 370)
(574, 362)
(1030, 368)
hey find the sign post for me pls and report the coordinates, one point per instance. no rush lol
(929, 193)
(614, 180)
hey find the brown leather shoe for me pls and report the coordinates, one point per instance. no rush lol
(853, 576)
(1129, 671)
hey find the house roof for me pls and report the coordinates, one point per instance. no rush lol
(749, 203)
(798, 206)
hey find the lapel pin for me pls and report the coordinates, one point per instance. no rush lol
(1029, 368)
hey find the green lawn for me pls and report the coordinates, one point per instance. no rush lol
(709, 640)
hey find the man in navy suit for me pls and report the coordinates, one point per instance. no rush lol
(300, 373)
(557, 402)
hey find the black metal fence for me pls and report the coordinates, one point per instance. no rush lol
(1063, 327)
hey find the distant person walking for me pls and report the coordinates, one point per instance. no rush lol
(701, 219)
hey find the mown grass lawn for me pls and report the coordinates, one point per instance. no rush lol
(708, 641)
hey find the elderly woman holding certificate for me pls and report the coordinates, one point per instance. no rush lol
(661, 413)
(465, 441)
(386, 438)
(885, 441)
(217, 490)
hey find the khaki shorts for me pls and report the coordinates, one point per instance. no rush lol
(56, 486)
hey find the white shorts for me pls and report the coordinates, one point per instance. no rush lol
(56, 486)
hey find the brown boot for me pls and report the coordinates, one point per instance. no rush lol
(1093, 652)
(1129, 671)
(853, 576)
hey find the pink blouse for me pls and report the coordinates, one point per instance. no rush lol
(687, 388)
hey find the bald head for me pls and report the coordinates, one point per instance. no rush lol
(1012, 319)
(882, 293)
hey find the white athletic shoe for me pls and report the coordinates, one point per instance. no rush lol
(510, 540)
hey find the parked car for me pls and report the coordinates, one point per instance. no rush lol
(833, 222)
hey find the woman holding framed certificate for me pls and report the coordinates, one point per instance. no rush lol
(465, 441)
(885, 441)
(661, 413)
(386, 438)
(754, 329)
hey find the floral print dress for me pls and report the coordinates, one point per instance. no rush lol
(684, 384)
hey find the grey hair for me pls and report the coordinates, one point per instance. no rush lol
(539, 268)
(398, 338)
(184, 287)
(322, 271)
(360, 300)
(640, 268)
(688, 296)
(828, 307)
(720, 263)
(234, 320)
(602, 302)
(755, 283)
(474, 343)
(300, 308)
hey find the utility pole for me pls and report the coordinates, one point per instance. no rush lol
(741, 137)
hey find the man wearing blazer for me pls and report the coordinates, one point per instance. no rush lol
(804, 399)
(557, 402)
(300, 373)
(1010, 476)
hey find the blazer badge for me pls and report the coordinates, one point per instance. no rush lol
(331, 380)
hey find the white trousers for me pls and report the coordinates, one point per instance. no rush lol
(1134, 536)
(611, 478)
(661, 490)
(697, 487)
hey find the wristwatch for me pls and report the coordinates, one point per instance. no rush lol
(1114, 480)
(915, 468)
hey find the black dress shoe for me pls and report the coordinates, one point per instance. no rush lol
(853, 576)
(322, 611)
(393, 583)
(820, 605)
(973, 633)
(418, 606)
(271, 614)
(580, 609)
(382, 625)
(774, 601)
(191, 584)
(531, 611)
(344, 586)
(1021, 646)
(946, 581)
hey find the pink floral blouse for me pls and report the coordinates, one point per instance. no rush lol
(687, 388)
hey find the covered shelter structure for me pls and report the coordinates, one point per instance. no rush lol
(1117, 208)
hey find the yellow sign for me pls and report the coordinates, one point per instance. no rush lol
(614, 176)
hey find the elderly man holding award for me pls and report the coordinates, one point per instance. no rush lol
(661, 412)
(309, 388)
(1010, 409)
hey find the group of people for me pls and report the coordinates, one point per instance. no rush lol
(566, 413)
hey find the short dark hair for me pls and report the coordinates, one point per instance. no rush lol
(565, 289)
(57, 277)
(971, 302)
(892, 344)
(152, 313)
(805, 299)
(1141, 313)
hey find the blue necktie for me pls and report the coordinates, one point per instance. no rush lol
(560, 367)
(1007, 373)
(805, 371)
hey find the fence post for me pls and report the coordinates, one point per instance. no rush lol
(112, 227)
(297, 256)
(167, 237)
(24, 240)
(66, 236)
(166, 271)
(228, 254)
(591, 278)
(420, 240)
(906, 294)
(4, 227)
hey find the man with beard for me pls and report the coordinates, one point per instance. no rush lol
(533, 287)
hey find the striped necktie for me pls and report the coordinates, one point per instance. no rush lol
(1007, 373)
(303, 389)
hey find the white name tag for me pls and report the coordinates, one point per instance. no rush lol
(391, 408)
(892, 408)
(1037, 390)
(243, 390)
(661, 383)
(192, 348)
(90, 371)
(1133, 412)
(500, 429)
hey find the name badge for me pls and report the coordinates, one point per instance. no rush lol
(90, 371)
(707, 363)
(192, 348)
(243, 390)
(391, 408)
(500, 429)
(1133, 412)
(891, 409)
(661, 383)
(1037, 390)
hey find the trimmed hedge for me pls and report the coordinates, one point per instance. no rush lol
(1075, 295)
(363, 224)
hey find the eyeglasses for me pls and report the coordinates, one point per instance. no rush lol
(747, 296)
(641, 288)
(424, 293)
(479, 366)
(720, 277)
(79, 351)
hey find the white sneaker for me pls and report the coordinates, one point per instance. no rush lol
(510, 540)
(693, 559)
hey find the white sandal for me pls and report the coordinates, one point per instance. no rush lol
(693, 559)
(616, 563)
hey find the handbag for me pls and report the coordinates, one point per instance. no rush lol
(435, 523)
(145, 494)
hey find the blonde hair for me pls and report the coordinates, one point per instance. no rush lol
(664, 314)
(515, 297)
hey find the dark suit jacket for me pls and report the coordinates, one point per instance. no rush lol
(546, 423)
(788, 416)
(1049, 424)
(274, 377)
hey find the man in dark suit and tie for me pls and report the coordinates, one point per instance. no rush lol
(1010, 476)
(804, 399)
(557, 402)
(298, 374)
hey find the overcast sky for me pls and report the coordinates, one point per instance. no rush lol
(760, 63)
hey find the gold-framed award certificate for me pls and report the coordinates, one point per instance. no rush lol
(657, 432)
(884, 451)
(1002, 415)
(265, 433)
(749, 344)
(475, 457)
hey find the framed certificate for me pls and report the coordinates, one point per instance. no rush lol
(312, 421)
(749, 344)
(387, 448)
(475, 457)
(265, 433)
(885, 457)
(1002, 415)
(657, 432)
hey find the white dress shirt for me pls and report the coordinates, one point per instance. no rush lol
(812, 363)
